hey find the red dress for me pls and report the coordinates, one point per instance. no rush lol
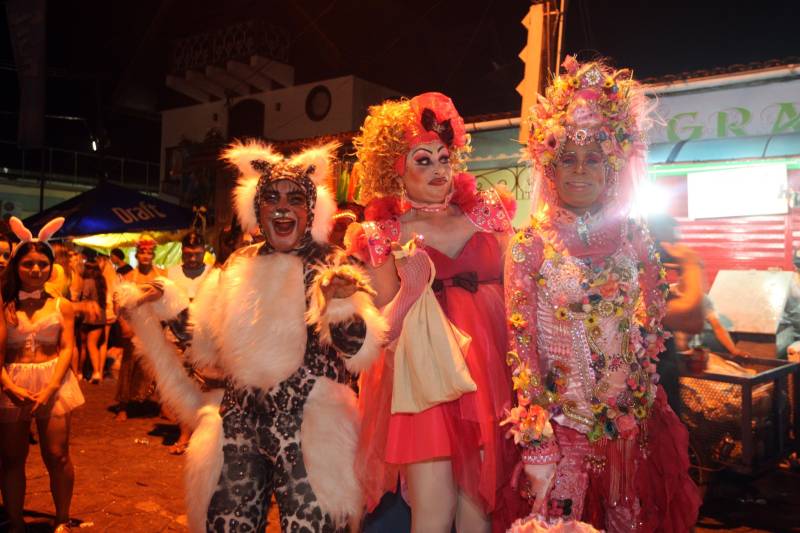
(470, 292)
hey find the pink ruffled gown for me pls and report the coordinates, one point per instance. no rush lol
(469, 289)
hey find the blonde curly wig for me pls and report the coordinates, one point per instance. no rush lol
(382, 141)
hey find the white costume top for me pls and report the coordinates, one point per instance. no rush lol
(189, 285)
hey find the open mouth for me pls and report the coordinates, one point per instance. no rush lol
(283, 226)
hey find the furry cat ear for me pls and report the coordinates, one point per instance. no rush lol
(317, 161)
(19, 229)
(50, 229)
(251, 157)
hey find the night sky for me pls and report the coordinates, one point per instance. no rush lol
(108, 60)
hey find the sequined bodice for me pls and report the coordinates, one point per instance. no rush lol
(587, 335)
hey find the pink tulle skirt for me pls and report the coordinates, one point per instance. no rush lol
(465, 431)
(35, 377)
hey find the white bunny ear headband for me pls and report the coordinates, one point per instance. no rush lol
(24, 234)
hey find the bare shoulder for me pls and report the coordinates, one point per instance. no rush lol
(66, 308)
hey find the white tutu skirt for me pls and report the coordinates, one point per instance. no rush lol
(35, 377)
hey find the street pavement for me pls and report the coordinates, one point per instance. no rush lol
(126, 481)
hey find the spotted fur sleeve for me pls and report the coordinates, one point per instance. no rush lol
(529, 419)
(352, 325)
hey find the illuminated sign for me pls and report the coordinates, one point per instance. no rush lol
(143, 211)
(763, 109)
(738, 192)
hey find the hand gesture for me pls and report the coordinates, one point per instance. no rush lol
(150, 293)
(19, 395)
(403, 252)
(342, 282)
(42, 397)
(540, 477)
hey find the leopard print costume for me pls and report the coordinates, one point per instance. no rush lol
(263, 449)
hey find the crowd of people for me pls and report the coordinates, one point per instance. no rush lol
(493, 378)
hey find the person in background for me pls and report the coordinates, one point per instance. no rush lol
(111, 278)
(187, 277)
(135, 383)
(36, 335)
(684, 303)
(61, 278)
(5, 251)
(75, 264)
(192, 271)
(230, 240)
(94, 290)
(788, 338)
(713, 336)
(118, 259)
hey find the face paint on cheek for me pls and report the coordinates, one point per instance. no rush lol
(283, 215)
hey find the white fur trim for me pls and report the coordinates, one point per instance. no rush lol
(341, 310)
(324, 210)
(329, 436)
(175, 388)
(256, 333)
(127, 294)
(172, 302)
(204, 460)
(241, 155)
(244, 196)
(203, 351)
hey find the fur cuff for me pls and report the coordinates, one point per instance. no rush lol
(161, 357)
(204, 460)
(127, 294)
(341, 310)
(172, 302)
(329, 434)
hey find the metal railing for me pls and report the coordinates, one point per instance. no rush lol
(77, 168)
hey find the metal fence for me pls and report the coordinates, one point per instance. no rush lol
(78, 168)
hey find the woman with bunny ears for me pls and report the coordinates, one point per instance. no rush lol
(289, 322)
(36, 380)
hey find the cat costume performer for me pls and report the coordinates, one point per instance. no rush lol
(288, 422)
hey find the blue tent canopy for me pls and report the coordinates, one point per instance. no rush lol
(110, 208)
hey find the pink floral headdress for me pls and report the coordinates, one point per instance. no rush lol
(589, 102)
